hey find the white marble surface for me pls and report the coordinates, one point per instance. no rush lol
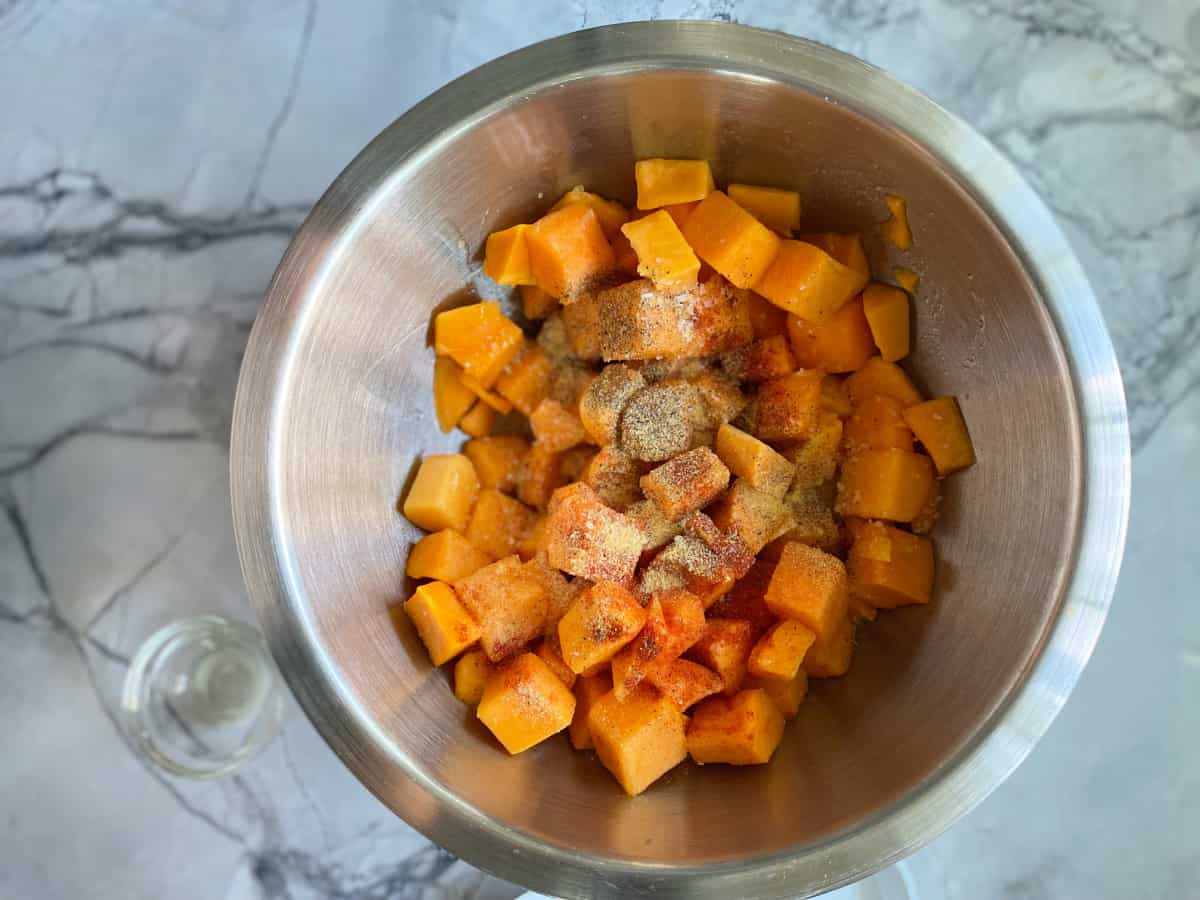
(155, 156)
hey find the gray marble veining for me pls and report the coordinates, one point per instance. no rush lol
(154, 159)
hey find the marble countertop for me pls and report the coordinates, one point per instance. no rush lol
(155, 157)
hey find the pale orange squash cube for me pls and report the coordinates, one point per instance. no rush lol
(555, 427)
(663, 255)
(750, 459)
(560, 593)
(889, 567)
(884, 484)
(731, 240)
(443, 493)
(506, 257)
(746, 600)
(444, 624)
(479, 338)
(588, 690)
(684, 682)
(907, 279)
(896, 229)
(588, 539)
(815, 461)
(840, 343)
(605, 399)
(479, 421)
(939, 426)
(878, 376)
(451, 398)
(471, 673)
(601, 621)
(524, 703)
(683, 614)
(810, 586)
(877, 423)
(774, 207)
(445, 556)
(722, 399)
(611, 214)
(657, 530)
(581, 325)
(829, 657)
(614, 475)
(845, 248)
(536, 303)
(742, 731)
(539, 476)
(498, 522)
(509, 603)
(568, 251)
(527, 380)
(492, 399)
(786, 695)
(887, 313)
(757, 517)
(789, 408)
(641, 320)
(549, 651)
(725, 649)
(761, 361)
(638, 739)
(808, 282)
(497, 459)
(665, 182)
(778, 653)
(766, 319)
(687, 482)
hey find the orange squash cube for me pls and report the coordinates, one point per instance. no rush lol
(638, 739)
(645, 321)
(925, 520)
(588, 690)
(808, 282)
(536, 303)
(878, 376)
(601, 621)
(451, 398)
(810, 586)
(845, 248)
(884, 484)
(907, 279)
(757, 517)
(889, 567)
(761, 361)
(509, 603)
(679, 212)
(725, 649)
(896, 229)
(526, 381)
(471, 673)
(721, 398)
(812, 522)
(789, 408)
(479, 338)
(877, 423)
(497, 458)
(665, 182)
(581, 325)
(586, 538)
(746, 600)
(683, 682)
(663, 255)
(834, 398)
(638, 658)
(657, 530)
(774, 207)
(841, 343)
(687, 482)
(555, 427)
(684, 616)
(662, 420)
(443, 493)
(524, 703)
(720, 318)
(611, 214)
(549, 651)
(939, 426)
(560, 593)
(829, 657)
(479, 421)
(498, 523)
(492, 399)
(750, 459)
(815, 461)
(533, 543)
(605, 399)
(445, 626)
(731, 240)
(445, 556)
(568, 251)
(506, 256)
(766, 319)
(786, 695)
(614, 476)
(539, 476)
(779, 652)
(742, 731)
(886, 309)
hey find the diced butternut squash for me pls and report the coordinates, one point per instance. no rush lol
(834, 398)
(509, 603)
(930, 510)
(661, 421)
(907, 279)
(624, 254)
(657, 530)
(536, 303)
(829, 657)
(638, 739)
(479, 338)
(445, 626)
(633, 662)
(471, 673)
(878, 376)
(498, 522)
(605, 399)
(896, 229)
(549, 651)
(761, 361)
(443, 493)
(533, 543)
(808, 282)
(568, 251)
(679, 212)
(524, 703)
(663, 255)
(886, 309)
(786, 695)
(555, 427)
(491, 398)
(766, 319)
(665, 182)
(742, 731)
(506, 256)
(810, 586)
(451, 398)
(884, 484)
(747, 599)
(845, 248)
(601, 621)
(755, 516)
(560, 593)
(497, 458)
(581, 326)
(774, 207)
(684, 682)
(778, 653)
(687, 482)
(815, 461)
(720, 395)
(750, 459)
(731, 240)
(611, 214)
(789, 408)
(588, 690)
(445, 556)
(877, 423)
(939, 426)
(479, 421)
(588, 539)
(539, 476)
(813, 522)
(889, 567)
(614, 475)
(725, 649)
(526, 382)
(841, 343)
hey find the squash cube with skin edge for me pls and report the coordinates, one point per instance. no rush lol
(451, 398)
(742, 731)
(539, 476)
(731, 240)
(886, 309)
(884, 484)
(725, 649)
(750, 459)
(683, 682)
(779, 652)
(601, 621)
(877, 423)
(611, 214)
(755, 516)
(588, 539)
(878, 376)
(508, 602)
(497, 459)
(663, 255)
(471, 673)
(666, 182)
(524, 703)
(445, 626)
(588, 690)
(840, 343)
(890, 568)
(605, 399)
(506, 257)
(479, 338)
(896, 228)
(526, 381)
(810, 586)
(536, 303)
(614, 476)
(498, 522)
(789, 408)
(479, 421)
(939, 426)
(445, 556)
(443, 493)
(687, 482)
(555, 427)
(786, 695)
(774, 207)
(761, 361)
(845, 248)
(815, 461)
(568, 251)
(638, 739)
(549, 651)
(829, 657)
(808, 282)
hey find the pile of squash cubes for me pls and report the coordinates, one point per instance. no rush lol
(711, 470)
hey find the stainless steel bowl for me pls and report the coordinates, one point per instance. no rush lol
(942, 703)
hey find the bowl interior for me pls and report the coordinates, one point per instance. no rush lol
(354, 414)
